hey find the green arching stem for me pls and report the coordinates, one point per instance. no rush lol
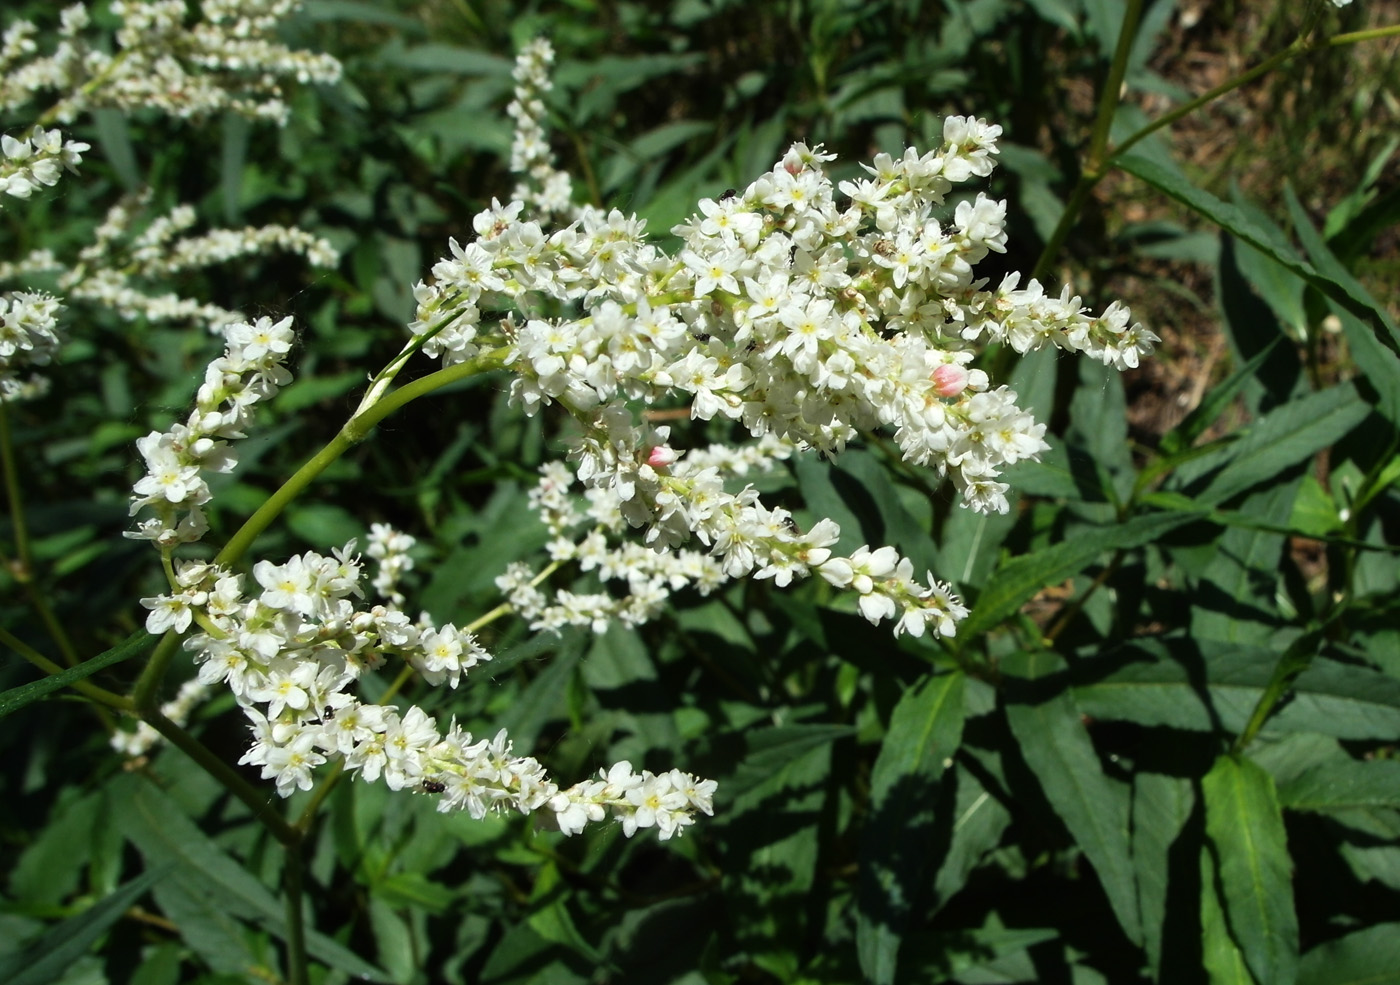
(86, 688)
(298, 972)
(1094, 157)
(1096, 167)
(355, 430)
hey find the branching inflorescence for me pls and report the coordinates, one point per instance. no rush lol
(224, 61)
(805, 322)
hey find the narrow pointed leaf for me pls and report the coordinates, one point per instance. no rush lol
(1055, 744)
(1233, 219)
(1245, 825)
(17, 697)
(206, 874)
(1223, 960)
(53, 954)
(1366, 957)
(1339, 786)
(925, 730)
(1015, 582)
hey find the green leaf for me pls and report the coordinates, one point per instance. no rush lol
(48, 958)
(1061, 13)
(1366, 957)
(114, 141)
(1286, 436)
(1217, 398)
(1223, 960)
(1161, 806)
(1343, 785)
(925, 731)
(207, 876)
(1233, 219)
(1330, 266)
(234, 155)
(648, 147)
(447, 58)
(770, 750)
(1211, 685)
(1053, 741)
(977, 821)
(17, 697)
(1253, 328)
(323, 524)
(1245, 825)
(1234, 593)
(1015, 582)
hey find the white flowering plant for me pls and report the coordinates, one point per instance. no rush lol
(857, 590)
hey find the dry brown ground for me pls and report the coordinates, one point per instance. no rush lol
(1315, 124)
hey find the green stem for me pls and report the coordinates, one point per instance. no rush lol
(297, 970)
(1293, 662)
(1091, 176)
(23, 565)
(143, 696)
(1298, 46)
(86, 688)
(1094, 156)
(258, 801)
(355, 430)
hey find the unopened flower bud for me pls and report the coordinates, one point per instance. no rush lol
(949, 380)
(661, 456)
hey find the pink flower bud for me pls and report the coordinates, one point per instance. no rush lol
(949, 380)
(661, 456)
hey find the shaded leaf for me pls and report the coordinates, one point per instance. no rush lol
(1366, 957)
(1211, 685)
(1245, 825)
(51, 956)
(1056, 746)
(17, 697)
(1016, 581)
(925, 731)
(1234, 220)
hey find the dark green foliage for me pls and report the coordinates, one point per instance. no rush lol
(1162, 748)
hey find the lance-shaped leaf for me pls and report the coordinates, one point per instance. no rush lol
(1344, 785)
(1234, 220)
(1245, 826)
(17, 697)
(1214, 686)
(1367, 957)
(1015, 582)
(1055, 744)
(50, 957)
(925, 731)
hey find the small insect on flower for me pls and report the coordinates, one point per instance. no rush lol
(434, 786)
(328, 715)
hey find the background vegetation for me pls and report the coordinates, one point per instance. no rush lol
(1162, 748)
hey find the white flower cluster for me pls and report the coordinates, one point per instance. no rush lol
(225, 60)
(110, 271)
(141, 739)
(547, 189)
(290, 652)
(28, 337)
(790, 315)
(250, 369)
(390, 548)
(29, 333)
(36, 161)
